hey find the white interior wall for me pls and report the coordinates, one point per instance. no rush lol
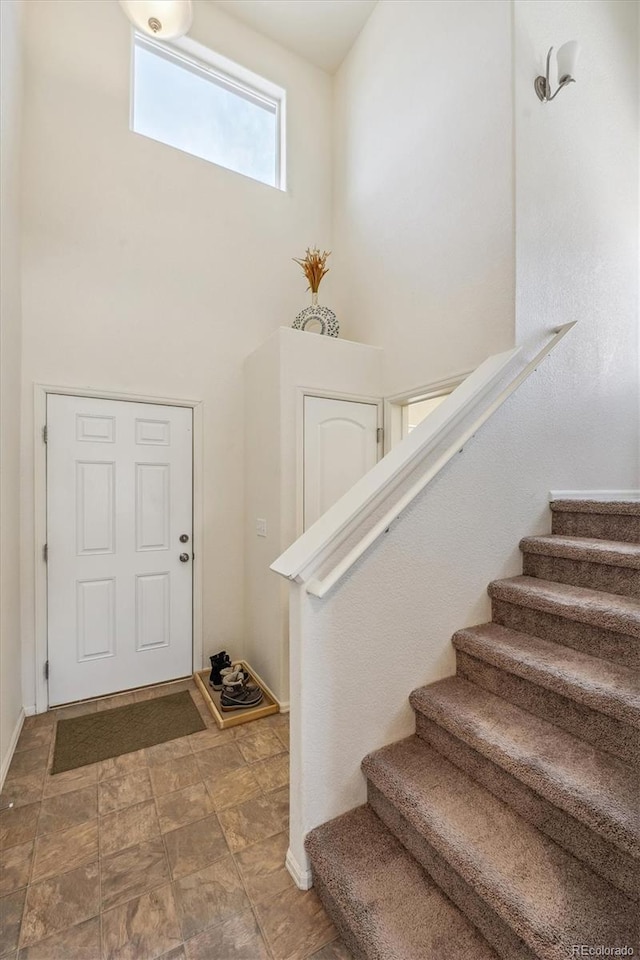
(265, 595)
(150, 271)
(573, 425)
(276, 374)
(423, 200)
(11, 97)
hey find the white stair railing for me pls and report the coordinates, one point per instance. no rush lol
(319, 546)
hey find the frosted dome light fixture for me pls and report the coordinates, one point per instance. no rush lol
(166, 19)
(566, 59)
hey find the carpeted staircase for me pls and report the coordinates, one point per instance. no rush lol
(508, 826)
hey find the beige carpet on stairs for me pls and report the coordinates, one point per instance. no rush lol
(517, 803)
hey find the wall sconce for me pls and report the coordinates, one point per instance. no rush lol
(166, 19)
(566, 58)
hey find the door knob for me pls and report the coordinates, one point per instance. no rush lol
(184, 557)
(184, 538)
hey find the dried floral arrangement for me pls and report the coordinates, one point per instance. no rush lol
(314, 267)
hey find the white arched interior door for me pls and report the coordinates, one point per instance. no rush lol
(340, 446)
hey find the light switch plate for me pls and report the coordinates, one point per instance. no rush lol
(261, 528)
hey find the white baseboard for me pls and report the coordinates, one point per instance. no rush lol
(284, 707)
(301, 877)
(630, 495)
(30, 711)
(6, 760)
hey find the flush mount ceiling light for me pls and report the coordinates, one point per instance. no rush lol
(566, 58)
(167, 19)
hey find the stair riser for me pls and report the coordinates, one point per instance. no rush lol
(495, 930)
(624, 581)
(603, 526)
(622, 705)
(339, 920)
(596, 641)
(579, 840)
(619, 739)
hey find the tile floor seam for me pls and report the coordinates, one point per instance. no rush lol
(216, 923)
(51, 833)
(61, 929)
(35, 842)
(190, 822)
(254, 904)
(161, 882)
(33, 882)
(100, 927)
(166, 852)
(233, 805)
(263, 933)
(99, 879)
(241, 913)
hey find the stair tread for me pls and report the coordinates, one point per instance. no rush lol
(630, 508)
(610, 611)
(590, 784)
(392, 907)
(616, 553)
(550, 899)
(600, 684)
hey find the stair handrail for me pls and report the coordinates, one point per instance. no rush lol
(314, 547)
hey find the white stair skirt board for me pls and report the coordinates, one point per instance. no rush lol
(13, 743)
(629, 495)
(301, 877)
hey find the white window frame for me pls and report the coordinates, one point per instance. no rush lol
(198, 59)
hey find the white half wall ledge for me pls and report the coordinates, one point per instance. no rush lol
(310, 549)
(301, 876)
(604, 495)
(13, 743)
(320, 543)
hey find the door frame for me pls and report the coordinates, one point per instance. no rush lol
(303, 392)
(41, 392)
(393, 405)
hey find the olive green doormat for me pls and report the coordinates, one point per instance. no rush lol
(110, 733)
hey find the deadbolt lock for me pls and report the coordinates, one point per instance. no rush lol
(184, 538)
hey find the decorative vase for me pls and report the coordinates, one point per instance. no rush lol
(317, 315)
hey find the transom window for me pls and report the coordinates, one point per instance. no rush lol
(200, 106)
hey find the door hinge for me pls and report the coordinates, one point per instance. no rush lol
(380, 434)
(45, 552)
(45, 434)
(46, 670)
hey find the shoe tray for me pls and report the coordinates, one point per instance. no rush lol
(232, 718)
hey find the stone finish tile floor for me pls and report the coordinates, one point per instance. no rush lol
(171, 853)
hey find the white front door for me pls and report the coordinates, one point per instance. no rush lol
(119, 536)
(340, 446)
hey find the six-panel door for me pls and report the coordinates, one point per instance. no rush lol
(119, 497)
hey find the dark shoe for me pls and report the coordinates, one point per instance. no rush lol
(219, 662)
(240, 699)
(237, 693)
